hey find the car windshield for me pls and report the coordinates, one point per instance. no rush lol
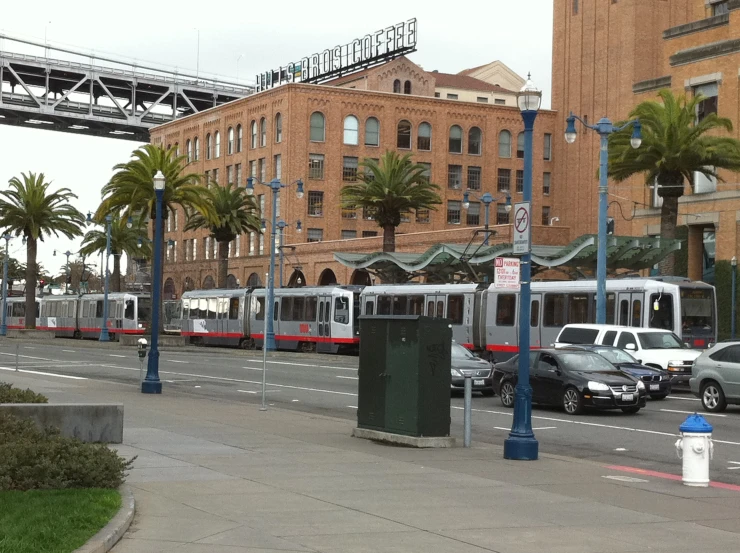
(659, 340)
(585, 362)
(616, 355)
(459, 352)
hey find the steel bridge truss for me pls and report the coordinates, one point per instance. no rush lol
(87, 98)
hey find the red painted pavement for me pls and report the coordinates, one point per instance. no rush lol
(668, 476)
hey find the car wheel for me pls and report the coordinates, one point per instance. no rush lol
(572, 401)
(659, 396)
(712, 397)
(487, 393)
(630, 410)
(507, 394)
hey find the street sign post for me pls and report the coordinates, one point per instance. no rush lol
(506, 273)
(522, 227)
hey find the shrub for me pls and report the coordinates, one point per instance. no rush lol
(43, 459)
(8, 394)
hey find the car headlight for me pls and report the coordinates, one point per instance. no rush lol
(597, 386)
(455, 372)
(640, 385)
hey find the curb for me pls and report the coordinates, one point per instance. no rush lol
(103, 541)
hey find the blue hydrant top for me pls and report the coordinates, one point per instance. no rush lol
(695, 424)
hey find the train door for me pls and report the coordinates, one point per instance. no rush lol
(435, 306)
(368, 305)
(324, 326)
(535, 330)
(630, 308)
(222, 317)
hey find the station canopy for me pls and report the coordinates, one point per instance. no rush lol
(474, 262)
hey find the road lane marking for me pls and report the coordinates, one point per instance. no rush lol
(352, 406)
(545, 428)
(27, 356)
(625, 478)
(116, 355)
(734, 462)
(691, 413)
(684, 398)
(175, 361)
(28, 347)
(44, 373)
(347, 377)
(247, 391)
(69, 351)
(302, 365)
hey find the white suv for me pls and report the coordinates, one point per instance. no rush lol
(651, 346)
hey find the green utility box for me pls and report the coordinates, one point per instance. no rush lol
(404, 375)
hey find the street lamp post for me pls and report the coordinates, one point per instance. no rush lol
(281, 230)
(486, 199)
(4, 327)
(521, 443)
(275, 185)
(734, 307)
(151, 383)
(268, 339)
(604, 128)
(104, 336)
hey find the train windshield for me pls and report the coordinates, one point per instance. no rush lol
(145, 309)
(697, 310)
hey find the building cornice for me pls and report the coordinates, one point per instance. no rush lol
(706, 51)
(697, 26)
(652, 84)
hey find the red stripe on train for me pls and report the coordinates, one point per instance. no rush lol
(507, 348)
(213, 334)
(115, 330)
(321, 339)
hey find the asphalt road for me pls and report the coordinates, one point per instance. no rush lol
(328, 385)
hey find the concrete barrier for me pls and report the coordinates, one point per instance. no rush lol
(165, 340)
(90, 422)
(30, 334)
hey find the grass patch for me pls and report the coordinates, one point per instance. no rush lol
(53, 521)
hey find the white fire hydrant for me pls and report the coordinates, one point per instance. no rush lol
(695, 447)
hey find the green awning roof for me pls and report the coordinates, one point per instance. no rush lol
(474, 262)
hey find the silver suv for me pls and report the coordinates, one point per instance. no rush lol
(715, 376)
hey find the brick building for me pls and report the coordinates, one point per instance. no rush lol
(609, 55)
(320, 133)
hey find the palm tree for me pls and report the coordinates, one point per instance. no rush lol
(30, 209)
(233, 213)
(130, 192)
(390, 189)
(674, 147)
(131, 241)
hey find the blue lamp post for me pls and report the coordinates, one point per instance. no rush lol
(604, 128)
(486, 199)
(521, 443)
(104, 336)
(151, 383)
(4, 327)
(275, 185)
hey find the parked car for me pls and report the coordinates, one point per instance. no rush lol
(464, 363)
(573, 379)
(657, 381)
(650, 346)
(715, 376)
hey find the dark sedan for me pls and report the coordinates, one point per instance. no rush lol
(464, 363)
(573, 379)
(657, 381)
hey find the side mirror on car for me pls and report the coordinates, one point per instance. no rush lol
(631, 347)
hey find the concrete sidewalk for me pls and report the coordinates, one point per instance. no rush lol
(224, 477)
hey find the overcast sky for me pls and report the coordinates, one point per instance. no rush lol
(266, 35)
